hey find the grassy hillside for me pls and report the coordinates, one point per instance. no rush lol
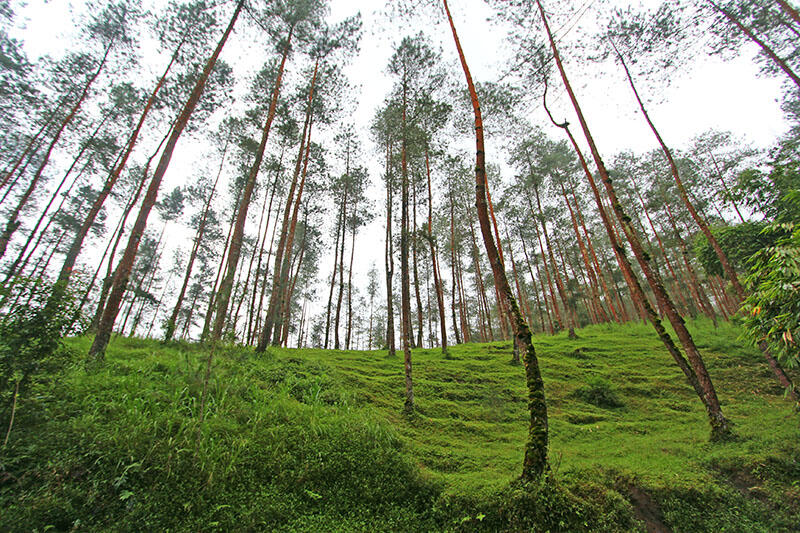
(314, 440)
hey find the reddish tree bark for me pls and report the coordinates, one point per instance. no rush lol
(719, 424)
(535, 462)
(224, 291)
(122, 273)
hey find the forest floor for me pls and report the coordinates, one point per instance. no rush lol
(316, 440)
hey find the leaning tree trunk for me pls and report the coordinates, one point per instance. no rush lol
(116, 239)
(719, 424)
(123, 270)
(111, 180)
(13, 224)
(33, 143)
(454, 281)
(780, 375)
(769, 52)
(12, 270)
(535, 462)
(224, 291)
(791, 11)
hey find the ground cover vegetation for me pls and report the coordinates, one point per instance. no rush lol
(575, 340)
(312, 439)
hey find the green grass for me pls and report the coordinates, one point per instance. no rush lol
(316, 440)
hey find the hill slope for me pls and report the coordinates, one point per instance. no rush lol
(314, 440)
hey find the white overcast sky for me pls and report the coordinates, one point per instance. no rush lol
(713, 94)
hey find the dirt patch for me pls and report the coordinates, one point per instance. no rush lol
(748, 486)
(646, 510)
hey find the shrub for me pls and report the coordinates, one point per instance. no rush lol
(599, 392)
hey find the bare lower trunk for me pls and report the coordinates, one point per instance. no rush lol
(224, 292)
(535, 462)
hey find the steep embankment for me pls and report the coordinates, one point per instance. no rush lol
(313, 440)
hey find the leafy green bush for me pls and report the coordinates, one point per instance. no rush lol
(32, 325)
(739, 242)
(772, 311)
(599, 392)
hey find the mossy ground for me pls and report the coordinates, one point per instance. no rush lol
(316, 440)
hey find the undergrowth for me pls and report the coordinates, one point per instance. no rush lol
(314, 440)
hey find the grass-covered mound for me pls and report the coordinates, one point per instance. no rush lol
(313, 440)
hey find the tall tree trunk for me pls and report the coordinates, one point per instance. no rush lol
(535, 462)
(389, 256)
(292, 283)
(13, 224)
(453, 288)
(283, 287)
(101, 303)
(556, 275)
(437, 278)
(791, 11)
(556, 312)
(255, 311)
(719, 424)
(340, 294)
(350, 281)
(694, 282)
(265, 276)
(664, 250)
(780, 375)
(111, 180)
(272, 309)
(483, 304)
(339, 224)
(414, 262)
(224, 292)
(97, 350)
(198, 239)
(13, 268)
(536, 290)
(593, 285)
(213, 295)
(405, 282)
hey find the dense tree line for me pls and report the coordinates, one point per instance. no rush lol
(548, 234)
